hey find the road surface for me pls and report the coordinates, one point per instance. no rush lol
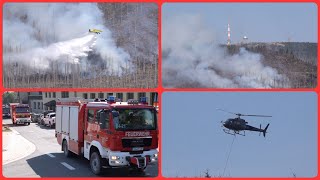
(48, 160)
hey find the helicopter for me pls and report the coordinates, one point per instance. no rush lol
(238, 125)
(97, 31)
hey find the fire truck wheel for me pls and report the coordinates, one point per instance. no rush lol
(95, 163)
(65, 149)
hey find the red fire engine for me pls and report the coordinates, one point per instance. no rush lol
(109, 134)
(20, 113)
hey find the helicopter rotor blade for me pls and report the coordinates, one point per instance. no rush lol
(255, 115)
(239, 114)
(226, 111)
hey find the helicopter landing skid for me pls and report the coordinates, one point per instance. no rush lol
(234, 132)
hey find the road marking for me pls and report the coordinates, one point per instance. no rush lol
(68, 166)
(50, 155)
(14, 131)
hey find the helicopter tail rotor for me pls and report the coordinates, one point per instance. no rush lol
(260, 131)
(265, 130)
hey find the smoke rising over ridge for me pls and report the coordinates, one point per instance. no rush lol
(192, 58)
(40, 33)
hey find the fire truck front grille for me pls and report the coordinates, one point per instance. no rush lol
(136, 142)
(141, 162)
(135, 152)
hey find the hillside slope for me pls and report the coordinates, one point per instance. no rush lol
(296, 60)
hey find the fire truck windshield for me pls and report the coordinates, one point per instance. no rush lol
(22, 109)
(134, 119)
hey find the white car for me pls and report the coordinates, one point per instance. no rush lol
(50, 120)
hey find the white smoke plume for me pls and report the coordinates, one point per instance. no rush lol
(39, 33)
(192, 58)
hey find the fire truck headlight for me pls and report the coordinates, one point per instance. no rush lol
(115, 157)
(117, 162)
(154, 157)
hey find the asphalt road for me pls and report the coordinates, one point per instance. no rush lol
(49, 161)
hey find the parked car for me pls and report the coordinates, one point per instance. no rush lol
(50, 120)
(43, 115)
(40, 120)
(35, 117)
(6, 111)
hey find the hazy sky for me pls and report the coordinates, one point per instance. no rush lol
(193, 139)
(260, 22)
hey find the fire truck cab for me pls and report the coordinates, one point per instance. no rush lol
(109, 134)
(20, 113)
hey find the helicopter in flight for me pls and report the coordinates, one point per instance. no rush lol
(237, 125)
(97, 31)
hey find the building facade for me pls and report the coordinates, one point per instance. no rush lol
(35, 102)
(49, 98)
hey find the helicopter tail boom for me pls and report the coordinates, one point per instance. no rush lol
(265, 131)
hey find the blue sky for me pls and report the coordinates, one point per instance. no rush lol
(260, 22)
(193, 140)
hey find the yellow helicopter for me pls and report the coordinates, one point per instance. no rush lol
(97, 31)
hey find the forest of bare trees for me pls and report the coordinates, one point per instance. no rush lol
(134, 28)
(25, 76)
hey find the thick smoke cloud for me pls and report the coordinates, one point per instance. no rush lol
(39, 33)
(192, 58)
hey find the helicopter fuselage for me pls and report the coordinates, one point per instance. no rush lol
(238, 124)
